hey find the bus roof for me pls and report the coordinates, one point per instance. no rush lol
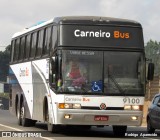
(85, 20)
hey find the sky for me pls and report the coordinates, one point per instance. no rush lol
(15, 15)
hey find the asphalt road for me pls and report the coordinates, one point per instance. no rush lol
(8, 123)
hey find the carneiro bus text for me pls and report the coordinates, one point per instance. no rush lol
(100, 33)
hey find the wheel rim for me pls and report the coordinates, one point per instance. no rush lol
(18, 114)
(22, 113)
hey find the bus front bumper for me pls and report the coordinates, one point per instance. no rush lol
(88, 117)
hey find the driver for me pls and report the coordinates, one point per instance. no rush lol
(76, 72)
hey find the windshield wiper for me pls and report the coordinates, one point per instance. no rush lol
(116, 83)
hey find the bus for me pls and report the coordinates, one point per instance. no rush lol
(79, 71)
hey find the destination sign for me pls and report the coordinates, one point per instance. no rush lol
(101, 36)
(100, 33)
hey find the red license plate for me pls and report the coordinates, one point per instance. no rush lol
(101, 118)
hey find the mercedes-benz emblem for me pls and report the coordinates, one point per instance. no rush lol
(103, 106)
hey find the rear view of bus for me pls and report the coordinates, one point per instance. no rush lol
(96, 74)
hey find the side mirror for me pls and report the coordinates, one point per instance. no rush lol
(150, 74)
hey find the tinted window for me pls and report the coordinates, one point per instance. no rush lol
(155, 101)
(28, 44)
(34, 44)
(16, 49)
(54, 36)
(123, 72)
(22, 46)
(12, 48)
(47, 42)
(40, 43)
(82, 71)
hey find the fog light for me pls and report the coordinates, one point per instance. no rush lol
(134, 118)
(67, 116)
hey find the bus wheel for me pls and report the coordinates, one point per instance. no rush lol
(119, 130)
(25, 121)
(19, 116)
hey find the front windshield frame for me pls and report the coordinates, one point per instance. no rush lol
(141, 75)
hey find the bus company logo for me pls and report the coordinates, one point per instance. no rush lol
(103, 106)
(102, 34)
(23, 72)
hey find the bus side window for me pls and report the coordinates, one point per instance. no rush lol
(28, 44)
(16, 49)
(53, 38)
(12, 50)
(22, 46)
(33, 45)
(52, 72)
(47, 41)
(40, 43)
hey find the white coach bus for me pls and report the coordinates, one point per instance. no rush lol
(88, 71)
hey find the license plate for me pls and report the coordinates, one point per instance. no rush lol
(101, 118)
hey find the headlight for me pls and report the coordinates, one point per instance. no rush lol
(76, 106)
(69, 106)
(127, 107)
(135, 107)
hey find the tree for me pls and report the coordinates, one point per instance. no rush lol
(4, 63)
(152, 50)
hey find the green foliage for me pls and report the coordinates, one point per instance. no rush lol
(4, 95)
(4, 63)
(152, 50)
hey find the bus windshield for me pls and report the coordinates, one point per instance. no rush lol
(102, 72)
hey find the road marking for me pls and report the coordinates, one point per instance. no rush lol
(13, 128)
(10, 127)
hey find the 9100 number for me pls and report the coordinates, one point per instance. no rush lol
(131, 100)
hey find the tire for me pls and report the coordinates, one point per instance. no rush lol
(150, 129)
(25, 121)
(18, 116)
(119, 130)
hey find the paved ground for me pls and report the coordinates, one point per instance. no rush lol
(8, 123)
